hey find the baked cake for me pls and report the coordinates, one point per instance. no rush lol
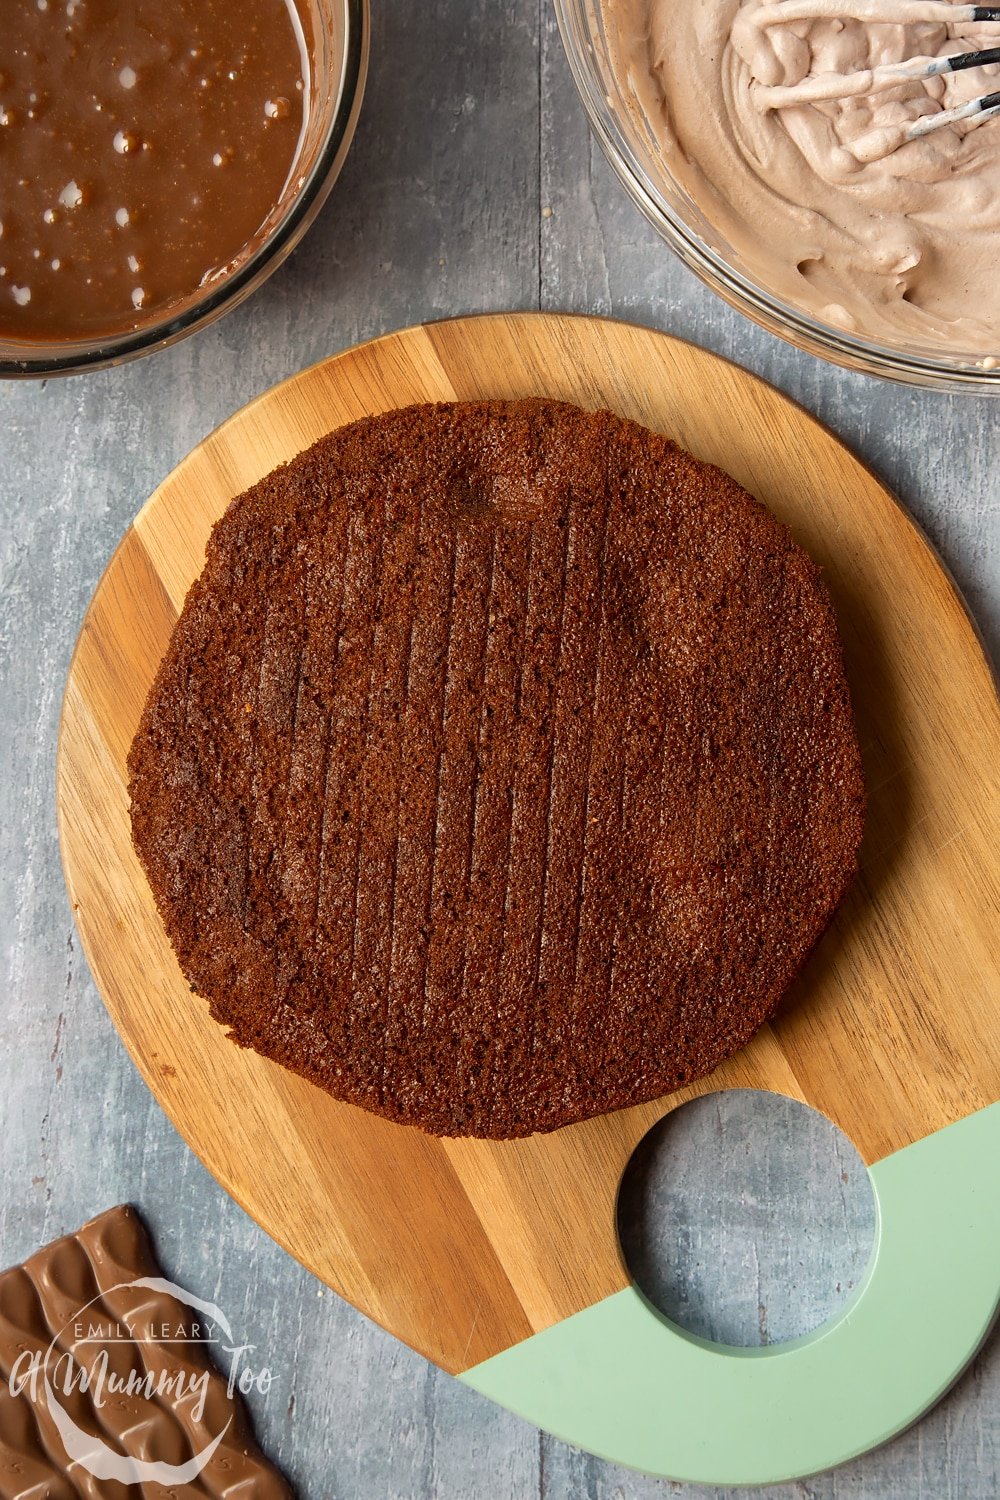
(501, 769)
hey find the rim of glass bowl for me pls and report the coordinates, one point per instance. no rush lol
(581, 31)
(95, 354)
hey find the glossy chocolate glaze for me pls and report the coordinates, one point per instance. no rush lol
(142, 149)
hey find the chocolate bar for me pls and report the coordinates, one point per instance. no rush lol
(107, 1387)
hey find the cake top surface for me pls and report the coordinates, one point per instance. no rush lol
(501, 768)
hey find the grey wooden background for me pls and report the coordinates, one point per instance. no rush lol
(473, 184)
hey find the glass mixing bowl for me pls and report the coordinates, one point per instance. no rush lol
(340, 29)
(634, 156)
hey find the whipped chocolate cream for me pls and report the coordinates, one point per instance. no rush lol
(817, 197)
(142, 149)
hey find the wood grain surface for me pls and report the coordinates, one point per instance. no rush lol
(464, 1247)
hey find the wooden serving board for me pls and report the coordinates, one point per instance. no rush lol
(466, 1248)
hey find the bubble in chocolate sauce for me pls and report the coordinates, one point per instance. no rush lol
(277, 109)
(121, 217)
(127, 78)
(21, 295)
(125, 141)
(71, 195)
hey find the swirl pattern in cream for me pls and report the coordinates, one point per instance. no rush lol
(786, 136)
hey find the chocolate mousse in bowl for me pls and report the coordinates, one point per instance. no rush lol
(768, 143)
(159, 161)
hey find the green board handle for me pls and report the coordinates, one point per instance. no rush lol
(621, 1381)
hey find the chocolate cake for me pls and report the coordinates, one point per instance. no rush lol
(501, 769)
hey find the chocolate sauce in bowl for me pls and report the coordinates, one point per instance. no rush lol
(143, 147)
